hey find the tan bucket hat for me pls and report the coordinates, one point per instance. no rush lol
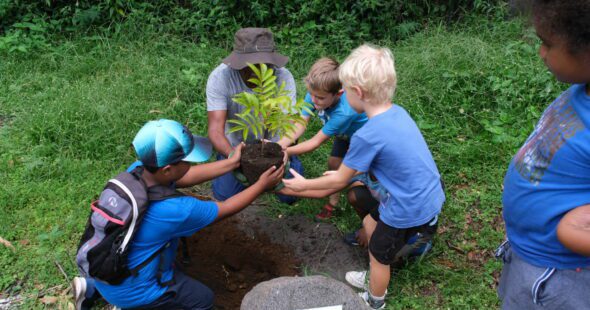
(255, 46)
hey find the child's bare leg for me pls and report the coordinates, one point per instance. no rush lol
(333, 164)
(378, 277)
(369, 225)
(365, 233)
(379, 273)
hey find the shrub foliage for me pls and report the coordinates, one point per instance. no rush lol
(25, 24)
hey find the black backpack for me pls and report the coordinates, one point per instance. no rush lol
(113, 222)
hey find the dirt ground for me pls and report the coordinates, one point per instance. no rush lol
(231, 263)
(319, 246)
(234, 255)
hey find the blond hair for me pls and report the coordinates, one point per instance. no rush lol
(323, 75)
(372, 69)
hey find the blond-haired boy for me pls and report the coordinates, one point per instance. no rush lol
(340, 120)
(390, 147)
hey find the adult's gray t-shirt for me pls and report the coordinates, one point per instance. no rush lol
(224, 83)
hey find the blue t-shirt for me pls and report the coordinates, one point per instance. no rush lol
(391, 147)
(549, 176)
(340, 119)
(164, 221)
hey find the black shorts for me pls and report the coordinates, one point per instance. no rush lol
(340, 147)
(389, 245)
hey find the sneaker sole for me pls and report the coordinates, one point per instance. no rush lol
(78, 289)
(353, 283)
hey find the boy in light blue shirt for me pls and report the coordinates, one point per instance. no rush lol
(340, 121)
(391, 148)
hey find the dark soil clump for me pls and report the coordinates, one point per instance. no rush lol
(231, 262)
(256, 159)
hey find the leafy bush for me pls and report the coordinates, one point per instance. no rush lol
(297, 23)
(268, 111)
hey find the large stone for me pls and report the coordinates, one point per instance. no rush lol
(290, 293)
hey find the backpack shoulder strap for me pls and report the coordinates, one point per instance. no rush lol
(135, 191)
(135, 271)
(160, 192)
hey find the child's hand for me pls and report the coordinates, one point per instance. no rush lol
(271, 177)
(296, 183)
(329, 172)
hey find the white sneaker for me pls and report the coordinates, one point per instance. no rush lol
(358, 279)
(79, 291)
(372, 303)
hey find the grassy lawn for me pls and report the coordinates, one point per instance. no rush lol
(68, 115)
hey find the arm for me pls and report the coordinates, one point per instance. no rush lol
(236, 203)
(308, 145)
(201, 173)
(299, 130)
(333, 181)
(312, 193)
(217, 105)
(216, 131)
(573, 230)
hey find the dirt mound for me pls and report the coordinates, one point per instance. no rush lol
(231, 263)
(319, 246)
(234, 255)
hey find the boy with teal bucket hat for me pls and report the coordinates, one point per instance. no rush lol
(165, 150)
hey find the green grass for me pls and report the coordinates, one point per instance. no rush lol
(68, 116)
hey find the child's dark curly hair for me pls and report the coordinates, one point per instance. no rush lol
(569, 19)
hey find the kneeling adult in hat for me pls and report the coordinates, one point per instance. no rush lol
(255, 46)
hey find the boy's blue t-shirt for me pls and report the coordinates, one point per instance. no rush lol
(549, 176)
(340, 119)
(165, 221)
(391, 147)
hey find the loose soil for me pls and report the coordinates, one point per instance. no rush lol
(256, 159)
(234, 255)
(231, 263)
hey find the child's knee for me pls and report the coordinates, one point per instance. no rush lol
(360, 197)
(369, 224)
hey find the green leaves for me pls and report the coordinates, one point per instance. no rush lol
(269, 110)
